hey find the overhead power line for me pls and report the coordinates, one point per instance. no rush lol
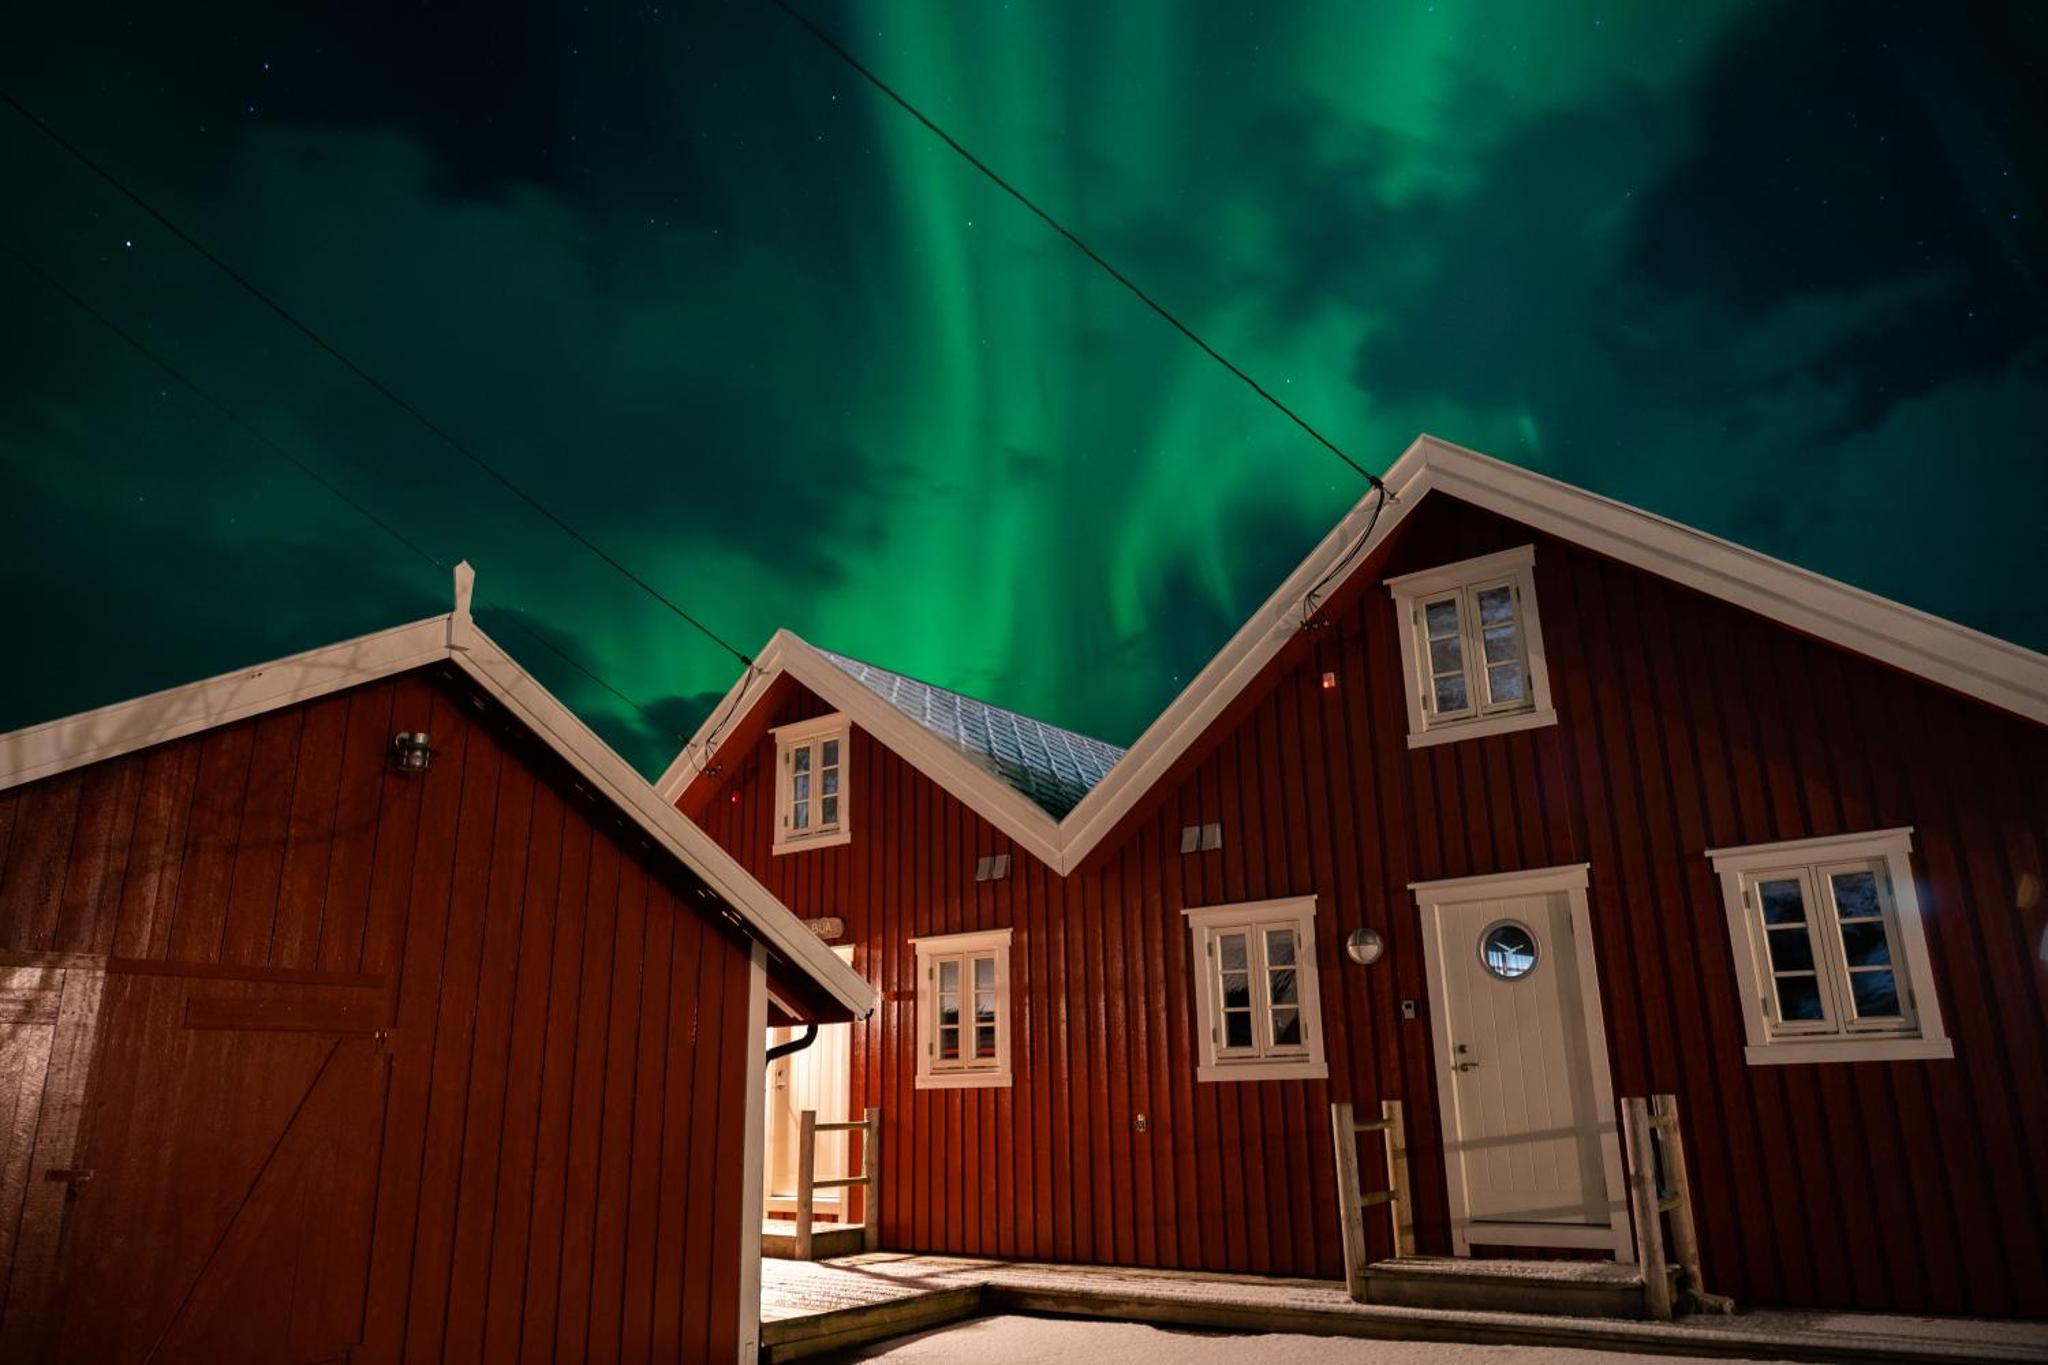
(839, 49)
(440, 432)
(292, 457)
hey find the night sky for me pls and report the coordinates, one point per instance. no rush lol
(1773, 270)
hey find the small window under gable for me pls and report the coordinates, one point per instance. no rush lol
(811, 792)
(963, 1010)
(1828, 938)
(1472, 648)
(1257, 1003)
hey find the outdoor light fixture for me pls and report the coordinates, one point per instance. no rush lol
(1329, 682)
(1365, 946)
(410, 751)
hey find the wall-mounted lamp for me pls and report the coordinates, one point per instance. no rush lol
(1365, 946)
(410, 751)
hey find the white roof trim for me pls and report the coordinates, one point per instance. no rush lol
(995, 800)
(59, 746)
(1970, 662)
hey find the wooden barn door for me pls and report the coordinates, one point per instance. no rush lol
(224, 1175)
(1527, 1109)
(49, 1014)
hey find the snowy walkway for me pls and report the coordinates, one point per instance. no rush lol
(1052, 1341)
(805, 1305)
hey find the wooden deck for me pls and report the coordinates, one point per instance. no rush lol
(813, 1308)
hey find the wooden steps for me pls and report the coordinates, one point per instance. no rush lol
(1585, 1289)
(779, 1239)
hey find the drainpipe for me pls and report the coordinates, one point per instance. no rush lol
(793, 1045)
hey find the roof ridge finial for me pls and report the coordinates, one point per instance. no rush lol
(460, 624)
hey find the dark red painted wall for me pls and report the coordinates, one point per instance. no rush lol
(536, 1161)
(1686, 724)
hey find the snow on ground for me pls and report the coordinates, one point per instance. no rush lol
(1011, 1340)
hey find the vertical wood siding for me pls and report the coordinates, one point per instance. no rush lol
(539, 1161)
(1686, 724)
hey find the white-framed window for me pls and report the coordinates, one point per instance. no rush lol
(1828, 939)
(810, 794)
(1472, 648)
(1258, 1009)
(963, 1010)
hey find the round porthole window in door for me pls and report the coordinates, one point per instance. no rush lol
(1508, 950)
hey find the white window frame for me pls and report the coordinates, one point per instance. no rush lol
(1513, 569)
(1262, 1061)
(1840, 1037)
(965, 1073)
(812, 734)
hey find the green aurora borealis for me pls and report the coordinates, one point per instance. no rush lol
(1772, 270)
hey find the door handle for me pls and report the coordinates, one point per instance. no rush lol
(1464, 1066)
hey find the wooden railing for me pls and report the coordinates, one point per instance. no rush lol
(1658, 1185)
(808, 1184)
(1352, 1202)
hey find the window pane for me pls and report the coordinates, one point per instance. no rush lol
(1232, 947)
(1441, 618)
(1237, 1030)
(1287, 1028)
(1502, 645)
(1865, 944)
(1496, 605)
(1447, 656)
(1450, 694)
(949, 1043)
(1799, 998)
(1791, 950)
(1280, 947)
(985, 1042)
(800, 815)
(1782, 903)
(1505, 682)
(949, 1009)
(831, 758)
(1877, 995)
(1508, 951)
(984, 1007)
(1283, 988)
(984, 973)
(829, 810)
(800, 759)
(949, 976)
(1237, 991)
(1855, 894)
(829, 782)
(800, 786)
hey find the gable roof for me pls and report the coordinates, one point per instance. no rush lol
(1977, 665)
(1055, 768)
(74, 742)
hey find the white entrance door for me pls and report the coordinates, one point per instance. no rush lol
(1528, 1110)
(819, 1077)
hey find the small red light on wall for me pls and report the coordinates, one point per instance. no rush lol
(735, 798)
(1329, 682)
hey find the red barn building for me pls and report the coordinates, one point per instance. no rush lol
(1625, 808)
(365, 1007)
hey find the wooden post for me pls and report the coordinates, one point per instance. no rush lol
(1397, 1178)
(1643, 1202)
(871, 1172)
(1685, 1244)
(1351, 1211)
(806, 1178)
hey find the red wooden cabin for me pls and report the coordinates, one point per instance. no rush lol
(1628, 810)
(363, 1006)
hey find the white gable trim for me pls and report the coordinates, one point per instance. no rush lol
(62, 745)
(995, 800)
(1972, 663)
